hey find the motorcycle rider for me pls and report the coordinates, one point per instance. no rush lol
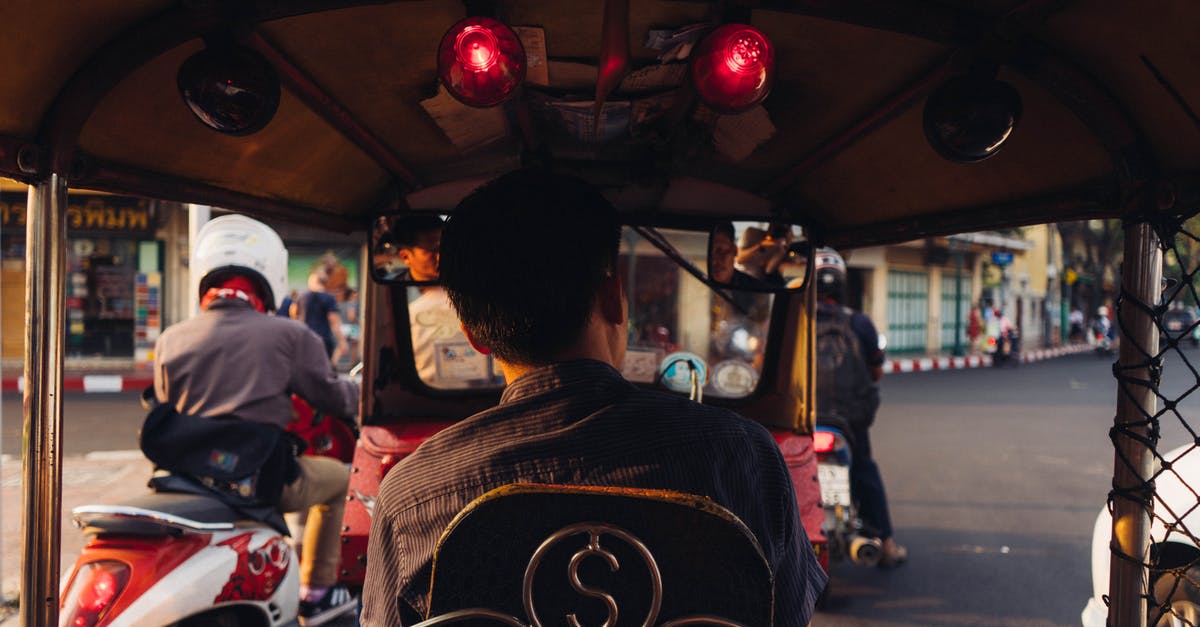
(850, 364)
(232, 360)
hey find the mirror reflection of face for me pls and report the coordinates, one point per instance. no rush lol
(422, 258)
(721, 256)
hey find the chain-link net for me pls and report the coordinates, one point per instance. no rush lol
(1155, 441)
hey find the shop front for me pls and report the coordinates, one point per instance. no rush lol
(114, 283)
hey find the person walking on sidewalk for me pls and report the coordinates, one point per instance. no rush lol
(849, 366)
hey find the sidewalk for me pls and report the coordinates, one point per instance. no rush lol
(945, 362)
(102, 477)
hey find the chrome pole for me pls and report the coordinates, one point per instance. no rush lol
(41, 515)
(1141, 278)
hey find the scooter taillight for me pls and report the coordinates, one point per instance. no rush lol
(824, 441)
(93, 589)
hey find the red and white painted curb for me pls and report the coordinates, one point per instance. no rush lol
(925, 364)
(89, 383)
(138, 382)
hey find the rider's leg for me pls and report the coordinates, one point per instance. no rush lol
(321, 489)
(866, 486)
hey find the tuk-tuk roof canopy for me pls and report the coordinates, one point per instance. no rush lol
(89, 92)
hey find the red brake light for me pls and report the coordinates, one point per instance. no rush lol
(93, 589)
(823, 441)
(733, 68)
(481, 61)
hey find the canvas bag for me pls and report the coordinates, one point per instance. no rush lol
(246, 463)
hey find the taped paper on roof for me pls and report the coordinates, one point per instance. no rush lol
(677, 44)
(579, 120)
(537, 70)
(654, 78)
(465, 127)
(738, 136)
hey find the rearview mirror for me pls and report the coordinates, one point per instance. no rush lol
(758, 257)
(406, 249)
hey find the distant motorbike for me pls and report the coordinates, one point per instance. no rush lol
(1006, 348)
(842, 526)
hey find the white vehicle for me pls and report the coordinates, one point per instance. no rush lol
(1170, 549)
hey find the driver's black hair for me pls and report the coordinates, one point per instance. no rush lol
(407, 230)
(522, 261)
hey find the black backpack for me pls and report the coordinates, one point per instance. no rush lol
(846, 394)
(244, 463)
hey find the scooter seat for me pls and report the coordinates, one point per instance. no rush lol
(157, 514)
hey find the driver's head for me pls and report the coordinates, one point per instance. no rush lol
(722, 251)
(419, 243)
(523, 260)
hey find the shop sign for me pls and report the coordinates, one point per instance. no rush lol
(108, 214)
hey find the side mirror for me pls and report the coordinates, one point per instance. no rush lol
(406, 249)
(758, 257)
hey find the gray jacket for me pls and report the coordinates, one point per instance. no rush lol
(233, 360)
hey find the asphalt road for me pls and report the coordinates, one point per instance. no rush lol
(995, 477)
(91, 422)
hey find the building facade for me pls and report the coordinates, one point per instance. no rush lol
(920, 293)
(127, 274)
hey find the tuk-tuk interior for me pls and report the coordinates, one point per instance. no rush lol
(843, 145)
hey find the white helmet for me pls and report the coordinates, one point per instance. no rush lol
(829, 272)
(235, 243)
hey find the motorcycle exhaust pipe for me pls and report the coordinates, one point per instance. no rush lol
(866, 551)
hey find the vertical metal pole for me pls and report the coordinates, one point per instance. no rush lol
(45, 274)
(197, 216)
(1141, 278)
(958, 268)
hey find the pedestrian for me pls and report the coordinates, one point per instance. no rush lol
(849, 366)
(1075, 325)
(974, 330)
(319, 310)
(285, 308)
(350, 325)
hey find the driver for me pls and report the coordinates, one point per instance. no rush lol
(530, 263)
(232, 360)
(443, 357)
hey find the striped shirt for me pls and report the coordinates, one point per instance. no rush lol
(581, 423)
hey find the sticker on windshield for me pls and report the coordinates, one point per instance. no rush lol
(676, 371)
(641, 366)
(734, 377)
(457, 361)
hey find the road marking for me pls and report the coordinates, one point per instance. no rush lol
(102, 383)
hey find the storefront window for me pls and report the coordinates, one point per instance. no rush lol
(114, 281)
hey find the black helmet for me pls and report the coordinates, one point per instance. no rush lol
(830, 273)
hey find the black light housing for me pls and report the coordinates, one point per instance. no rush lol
(969, 117)
(231, 89)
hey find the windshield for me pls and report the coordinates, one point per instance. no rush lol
(674, 318)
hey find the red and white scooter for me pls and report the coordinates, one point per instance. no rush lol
(187, 559)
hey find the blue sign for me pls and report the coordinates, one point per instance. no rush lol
(1002, 259)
